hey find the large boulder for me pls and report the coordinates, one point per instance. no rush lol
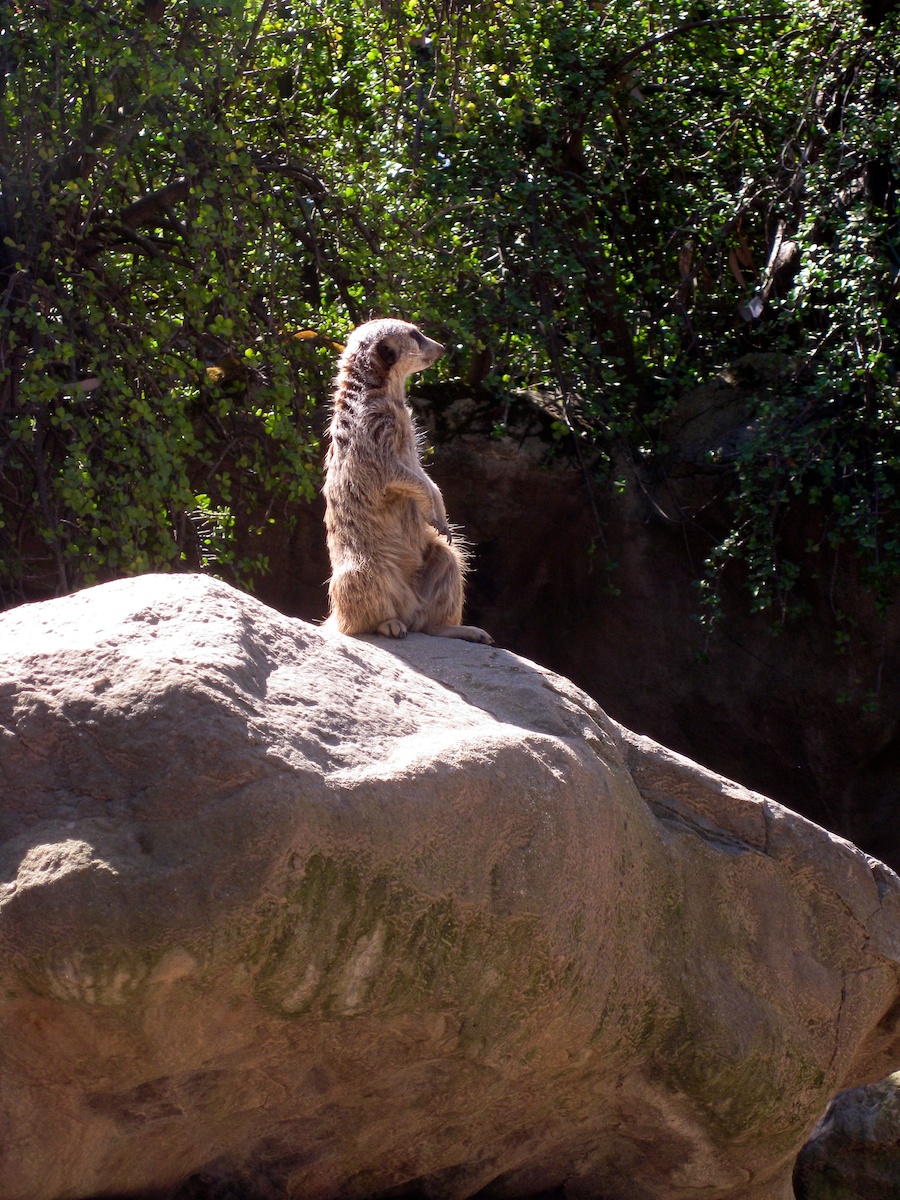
(288, 914)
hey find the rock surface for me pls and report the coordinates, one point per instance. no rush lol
(286, 914)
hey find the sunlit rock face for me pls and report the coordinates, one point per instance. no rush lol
(288, 914)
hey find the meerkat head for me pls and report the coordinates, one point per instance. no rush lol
(390, 348)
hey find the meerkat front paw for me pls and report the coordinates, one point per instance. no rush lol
(474, 634)
(465, 633)
(392, 628)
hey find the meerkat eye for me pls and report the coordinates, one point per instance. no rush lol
(417, 338)
(387, 353)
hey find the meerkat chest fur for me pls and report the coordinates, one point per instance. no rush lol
(370, 432)
(374, 466)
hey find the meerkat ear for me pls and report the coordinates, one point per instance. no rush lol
(387, 354)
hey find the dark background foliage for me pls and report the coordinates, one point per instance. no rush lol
(603, 205)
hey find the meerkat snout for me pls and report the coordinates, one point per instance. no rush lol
(431, 351)
(400, 351)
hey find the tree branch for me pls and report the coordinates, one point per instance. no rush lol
(150, 208)
(669, 35)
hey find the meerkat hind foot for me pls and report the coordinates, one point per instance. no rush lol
(392, 628)
(466, 633)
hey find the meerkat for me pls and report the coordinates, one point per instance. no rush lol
(395, 566)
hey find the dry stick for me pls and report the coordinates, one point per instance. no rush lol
(750, 309)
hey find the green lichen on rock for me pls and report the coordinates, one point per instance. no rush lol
(346, 933)
(107, 977)
(741, 1078)
(308, 939)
